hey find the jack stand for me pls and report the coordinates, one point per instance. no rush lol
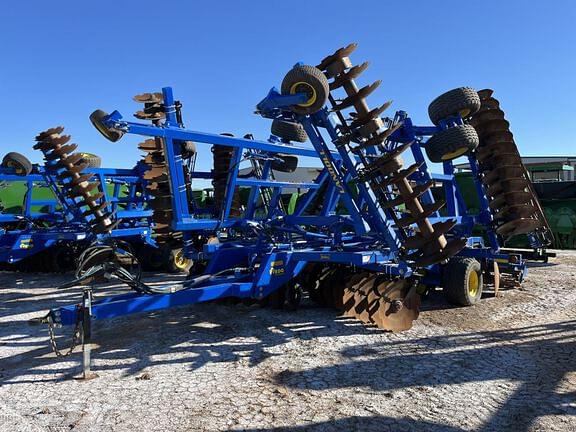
(87, 374)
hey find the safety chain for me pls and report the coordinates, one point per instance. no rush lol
(75, 338)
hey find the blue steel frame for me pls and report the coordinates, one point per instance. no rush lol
(31, 231)
(365, 239)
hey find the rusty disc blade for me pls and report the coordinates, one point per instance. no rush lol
(418, 240)
(48, 132)
(508, 185)
(401, 175)
(99, 208)
(81, 179)
(348, 292)
(519, 226)
(397, 312)
(492, 127)
(346, 77)
(150, 145)
(154, 172)
(516, 212)
(489, 115)
(451, 249)
(359, 96)
(380, 137)
(360, 295)
(486, 152)
(339, 54)
(149, 98)
(427, 211)
(503, 172)
(359, 121)
(510, 198)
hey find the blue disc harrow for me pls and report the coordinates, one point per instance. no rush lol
(368, 235)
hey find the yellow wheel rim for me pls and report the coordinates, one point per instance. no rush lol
(473, 284)
(454, 154)
(304, 87)
(180, 260)
(17, 167)
(465, 112)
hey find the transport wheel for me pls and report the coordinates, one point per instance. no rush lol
(309, 80)
(451, 143)
(19, 162)
(286, 163)
(463, 281)
(62, 259)
(152, 258)
(110, 134)
(292, 296)
(196, 269)
(463, 101)
(176, 262)
(92, 160)
(288, 130)
(188, 149)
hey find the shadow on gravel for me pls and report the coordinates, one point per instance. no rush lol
(537, 358)
(22, 293)
(375, 423)
(192, 335)
(539, 264)
(534, 358)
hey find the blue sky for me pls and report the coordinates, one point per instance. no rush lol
(61, 60)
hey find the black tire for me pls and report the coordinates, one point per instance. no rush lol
(151, 258)
(197, 269)
(19, 162)
(463, 281)
(285, 163)
(62, 259)
(288, 130)
(92, 160)
(176, 262)
(310, 80)
(451, 143)
(463, 101)
(188, 149)
(292, 296)
(109, 133)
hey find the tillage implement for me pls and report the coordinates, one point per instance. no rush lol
(369, 235)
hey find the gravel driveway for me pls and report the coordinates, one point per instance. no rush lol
(507, 364)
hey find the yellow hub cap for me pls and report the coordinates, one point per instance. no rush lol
(473, 284)
(454, 154)
(16, 167)
(180, 260)
(304, 87)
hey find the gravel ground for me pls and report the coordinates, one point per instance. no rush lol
(508, 364)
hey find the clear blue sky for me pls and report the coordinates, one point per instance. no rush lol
(61, 60)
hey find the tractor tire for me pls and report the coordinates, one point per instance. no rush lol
(151, 258)
(451, 143)
(188, 149)
(309, 80)
(292, 296)
(62, 259)
(463, 281)
(287, 163)
(176, 262)
(92, 160)
(463, 101)
(288, 130)
(110, 134)
(19, 162)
